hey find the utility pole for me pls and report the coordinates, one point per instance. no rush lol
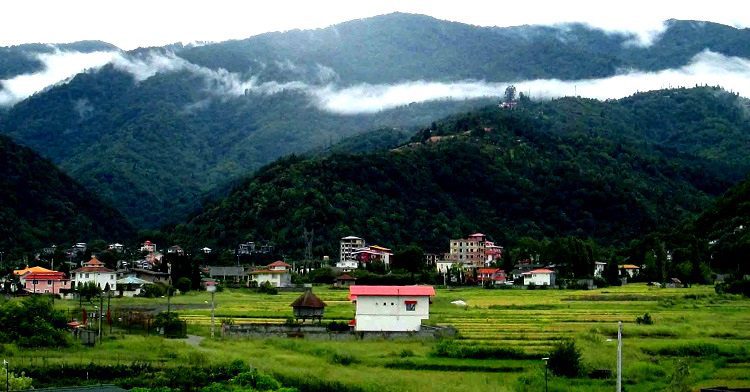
(619, 356)
(99, 316)
(546, 362)
(211, 288)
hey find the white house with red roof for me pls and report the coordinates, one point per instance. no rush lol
(539, 277)
(46, 282)
(372, 253)
(391, 308)
(94, 271)
(491, 275)
(276, 273)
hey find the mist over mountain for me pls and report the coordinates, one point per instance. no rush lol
(156, 128)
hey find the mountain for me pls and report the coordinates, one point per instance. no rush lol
(23, 59)
(725, 226)
(159, 128)
(541, 170)
(41, 206)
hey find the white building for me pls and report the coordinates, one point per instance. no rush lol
(116, 247)
(94, 271)
(539, 277)
(276, 273)
(391, 308)
(599, 269)
(148, 246)
(373, 253)
(629, 270)
(348, 246)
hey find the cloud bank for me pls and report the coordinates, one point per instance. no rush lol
(58, 66)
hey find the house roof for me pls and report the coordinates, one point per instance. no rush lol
(214, 270)
(355, 291)
(489, 271)
(630, 266)
(93, 269)
(51, 275)
(477, 235)
(539, 271)
(94, 262)
(380, 248)
(149, 272)
(278, 264)
(308, 300)
(346, 277)
(351, 237)
(600, 263)
(29, 270)
(132, 280)
(268, 271)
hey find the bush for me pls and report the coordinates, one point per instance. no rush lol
(256, 380)
(645, 320)
(565, 360)
(171, 324)
(337, 326)
(343, 359)
(734, 287)
(184, 284)
(153, 290)
(266, 288)
(451, 349)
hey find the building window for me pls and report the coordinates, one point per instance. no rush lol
(87, 276)
(411, 306)
(49, 282)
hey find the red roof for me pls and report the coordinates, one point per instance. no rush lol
(489, 270)
(94, 262)
(54, 275)
(346, 277)
(406, 291)
(279, 264)
(540, 271)
(92, 269)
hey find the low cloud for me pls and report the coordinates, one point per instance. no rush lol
(706, 68)
(58, 67)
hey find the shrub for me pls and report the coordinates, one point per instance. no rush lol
(645, 320)
(343, 359)
(565, 360)
(337, 326)
(184, 284)
(451, 349)
(266, 288)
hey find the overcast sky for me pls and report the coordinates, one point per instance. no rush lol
(133, 23)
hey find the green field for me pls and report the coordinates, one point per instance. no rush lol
(708, 333)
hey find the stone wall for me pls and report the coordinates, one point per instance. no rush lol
(320, 332)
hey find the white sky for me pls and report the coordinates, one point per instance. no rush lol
(133, 23)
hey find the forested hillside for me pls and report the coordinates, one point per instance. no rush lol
(157, 129)
(506, 173)
(41, 206)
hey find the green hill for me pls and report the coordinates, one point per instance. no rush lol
(535, 171)
(152, 146)
(41, 206)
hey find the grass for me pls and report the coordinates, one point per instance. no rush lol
(510, 330)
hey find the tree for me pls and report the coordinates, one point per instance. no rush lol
(89, 290)
(184, 284)
(565, 360)
(410, 259)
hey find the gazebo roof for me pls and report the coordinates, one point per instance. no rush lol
(308, 300)
(132, 280)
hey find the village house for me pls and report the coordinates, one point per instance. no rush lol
(373, 253)
(22, 273)
(130, 286)
(94, 271)
(277, 274)
(490, 276)
(176, 249)
(444, 265)
(347, 246)
(145, 274)
(227, 273)
(116, 247)
(431, 259)
(206, 250)
(539, 277)
(629, 270)
(46, 282)
(148, 246)
(391, 308)
(599, 269)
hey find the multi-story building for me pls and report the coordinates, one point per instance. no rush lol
(470, 250)
(349, 244)
(372, 253)
(46, 282)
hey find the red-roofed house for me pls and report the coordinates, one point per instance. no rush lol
(630, 270)
(276, 273)
(373, 253)
(492, 275)
(391, 308)
(94, 271)
(539, 277)
(47, 282)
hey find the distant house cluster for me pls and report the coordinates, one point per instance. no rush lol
(354, 253)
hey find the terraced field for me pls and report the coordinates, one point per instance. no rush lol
(693, 329)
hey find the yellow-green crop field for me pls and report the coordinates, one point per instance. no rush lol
(693, 329)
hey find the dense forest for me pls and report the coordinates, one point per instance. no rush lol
(540, 171)
(41, 206)
(154, 145)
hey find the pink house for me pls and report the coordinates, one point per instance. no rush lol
(46, 282)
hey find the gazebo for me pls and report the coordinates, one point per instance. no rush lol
(308, 306)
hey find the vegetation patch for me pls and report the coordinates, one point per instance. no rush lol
(452, 349)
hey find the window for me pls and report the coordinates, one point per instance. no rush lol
(49, 282)
(87, 276)
(411, 306)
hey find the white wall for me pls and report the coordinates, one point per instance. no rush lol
(276, 280)
(388, 313)
(100, 278)
(539, 279)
